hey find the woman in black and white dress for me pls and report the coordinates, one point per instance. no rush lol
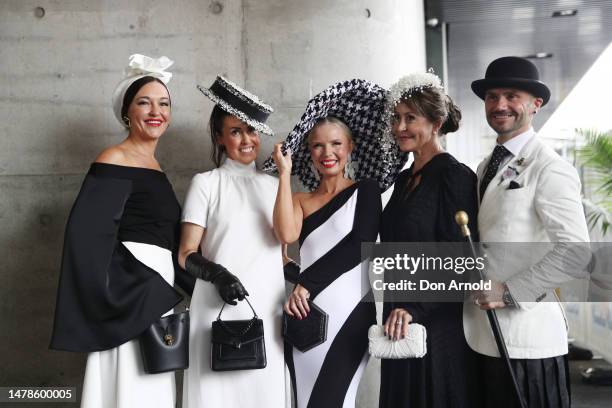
(338, 151)
(330, 223)
(117, 268)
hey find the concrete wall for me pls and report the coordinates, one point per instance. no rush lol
(58, 73)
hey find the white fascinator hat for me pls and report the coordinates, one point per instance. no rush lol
(140, 66)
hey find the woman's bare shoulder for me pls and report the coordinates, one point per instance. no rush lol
(113, 155)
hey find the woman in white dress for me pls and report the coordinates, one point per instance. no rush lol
(228, 216)
(117, 270)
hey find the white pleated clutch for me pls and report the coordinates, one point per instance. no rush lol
(414, 345)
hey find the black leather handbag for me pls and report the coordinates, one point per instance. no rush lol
(238, 344)
(306, 333)
(165, 344)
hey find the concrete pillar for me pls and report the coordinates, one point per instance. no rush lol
(295, 49)
(59, 68)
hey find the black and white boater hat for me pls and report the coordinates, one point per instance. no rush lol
(240, 103)
(361, 105)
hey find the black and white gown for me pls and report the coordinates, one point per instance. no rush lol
(330, 254)
(117, 278)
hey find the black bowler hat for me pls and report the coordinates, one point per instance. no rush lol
(512, 72)
(240, 103)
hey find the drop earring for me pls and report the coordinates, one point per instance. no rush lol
(126, 121)
(350, 168)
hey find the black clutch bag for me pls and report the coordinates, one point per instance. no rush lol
(165, 344)
(306, 333)
(238, 344)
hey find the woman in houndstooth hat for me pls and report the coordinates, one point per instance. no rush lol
(339, 154)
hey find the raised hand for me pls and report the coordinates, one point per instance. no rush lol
(283, 161)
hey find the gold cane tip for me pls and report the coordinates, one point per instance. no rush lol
(461, 218)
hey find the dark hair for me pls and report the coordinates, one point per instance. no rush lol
(435, 105)
(332, 120)
(215, 124)
(131, 92)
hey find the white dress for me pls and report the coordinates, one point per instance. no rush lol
(235, 204)
(115, 378)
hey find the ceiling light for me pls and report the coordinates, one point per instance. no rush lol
(540, 55)
(432, 22)
(565, 13)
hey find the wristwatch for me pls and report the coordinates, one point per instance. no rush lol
(507, 297)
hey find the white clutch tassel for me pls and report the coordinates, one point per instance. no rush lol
(414, 345)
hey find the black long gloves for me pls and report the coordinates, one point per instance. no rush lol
(228, 286)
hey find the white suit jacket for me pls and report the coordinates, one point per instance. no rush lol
(545, 208)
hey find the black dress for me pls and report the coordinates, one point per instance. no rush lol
(447, 375)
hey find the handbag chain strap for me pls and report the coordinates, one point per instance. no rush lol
(243, 331)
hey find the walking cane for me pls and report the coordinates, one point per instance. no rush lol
(461, 218)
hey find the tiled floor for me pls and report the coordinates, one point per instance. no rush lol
(586, 395)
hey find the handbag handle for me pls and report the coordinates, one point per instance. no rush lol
(250, 305)
(243, 331)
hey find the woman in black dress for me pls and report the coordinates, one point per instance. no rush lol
(117, 269)
(421, 209)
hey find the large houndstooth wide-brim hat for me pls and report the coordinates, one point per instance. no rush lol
(362, 106)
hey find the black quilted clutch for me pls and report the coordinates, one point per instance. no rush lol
(306, 333)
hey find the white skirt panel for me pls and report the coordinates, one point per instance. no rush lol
(115, 378)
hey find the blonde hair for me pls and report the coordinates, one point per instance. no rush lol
(331, 120)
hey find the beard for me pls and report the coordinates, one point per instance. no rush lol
(514, 122)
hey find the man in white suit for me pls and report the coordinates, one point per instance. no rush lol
(527, 194)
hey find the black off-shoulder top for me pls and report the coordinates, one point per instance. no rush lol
(105, 295)
(152, 213)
